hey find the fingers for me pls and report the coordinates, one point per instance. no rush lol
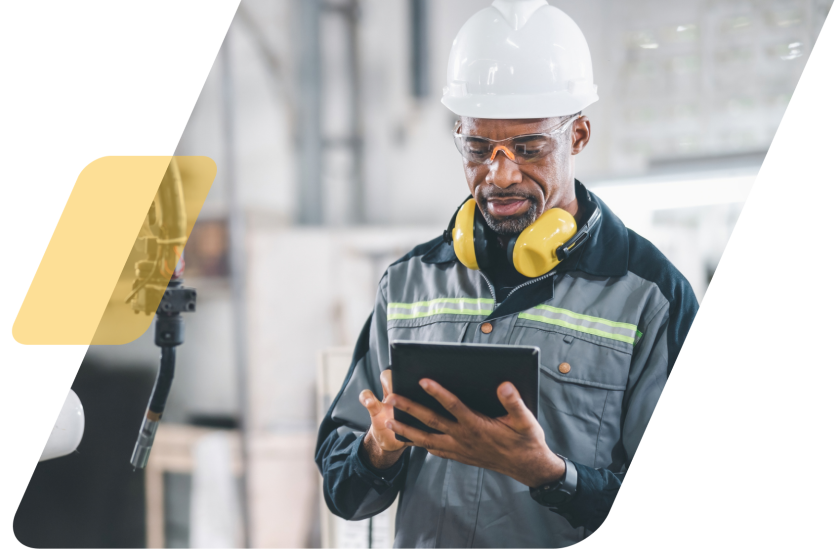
(420, 438)
(368, 399)
(428, 417)
(385, 379)
(370, 402)
(449, 401)
(519, 414)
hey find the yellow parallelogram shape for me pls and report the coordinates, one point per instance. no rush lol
(119, 324)
(79, 290)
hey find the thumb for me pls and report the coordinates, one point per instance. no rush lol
(512, 401)
(385, 379)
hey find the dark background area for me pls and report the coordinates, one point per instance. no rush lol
(93, 498)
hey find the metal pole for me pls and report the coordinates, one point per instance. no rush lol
(357, 194)
(238, 263)
(310, 187)
(419, 26)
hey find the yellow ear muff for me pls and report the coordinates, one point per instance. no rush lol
(462, 235)
(535, 252)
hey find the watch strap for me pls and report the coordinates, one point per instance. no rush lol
(570, 478)
(560, 491)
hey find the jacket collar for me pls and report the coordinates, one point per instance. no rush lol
(605, 254)
(442, 253)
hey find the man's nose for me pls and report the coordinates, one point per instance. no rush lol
(503, 172)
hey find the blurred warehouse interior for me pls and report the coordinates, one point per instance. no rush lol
(335, 157)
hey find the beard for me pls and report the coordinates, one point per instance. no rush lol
(508, 225)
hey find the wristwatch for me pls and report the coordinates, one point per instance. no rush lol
(560, 491)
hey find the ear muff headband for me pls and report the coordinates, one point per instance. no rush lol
(580, 237)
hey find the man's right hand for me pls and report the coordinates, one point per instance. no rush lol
(381, 444)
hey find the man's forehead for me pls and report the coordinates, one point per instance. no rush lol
(505, 128)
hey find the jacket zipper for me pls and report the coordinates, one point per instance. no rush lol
(534, 281)
(489, 285)
(528, 283)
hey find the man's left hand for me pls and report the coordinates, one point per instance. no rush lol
(513, 445)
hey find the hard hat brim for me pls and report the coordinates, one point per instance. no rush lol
(541, 106)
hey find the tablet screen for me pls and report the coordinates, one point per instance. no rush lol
(472, 372)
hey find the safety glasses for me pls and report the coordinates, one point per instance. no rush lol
(525, 148)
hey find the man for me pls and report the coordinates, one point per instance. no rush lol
(609, 320)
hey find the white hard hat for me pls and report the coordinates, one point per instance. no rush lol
(67, 432)
(519, 59)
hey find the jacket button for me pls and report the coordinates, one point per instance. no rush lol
(564, 368)
(486, 328)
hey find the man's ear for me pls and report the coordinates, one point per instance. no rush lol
(581, 132)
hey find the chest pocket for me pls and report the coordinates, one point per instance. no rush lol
(435, 320)
(427, 331)
(582, 383)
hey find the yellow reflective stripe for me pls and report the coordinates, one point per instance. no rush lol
(604, 328)
(392, 317)
(442, 300)
(590, 318)
(440, 306)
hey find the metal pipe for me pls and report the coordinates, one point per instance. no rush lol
(238, 263)
(419, 25)
(358, 204)
(310, 181)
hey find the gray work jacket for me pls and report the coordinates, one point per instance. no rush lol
(616, 312)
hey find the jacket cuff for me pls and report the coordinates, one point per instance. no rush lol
(380, 479)
(596, 491)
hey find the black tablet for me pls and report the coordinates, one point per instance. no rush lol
(472, 372)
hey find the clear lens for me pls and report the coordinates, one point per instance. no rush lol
(526, 148)
(535, 146)
(476, 148)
